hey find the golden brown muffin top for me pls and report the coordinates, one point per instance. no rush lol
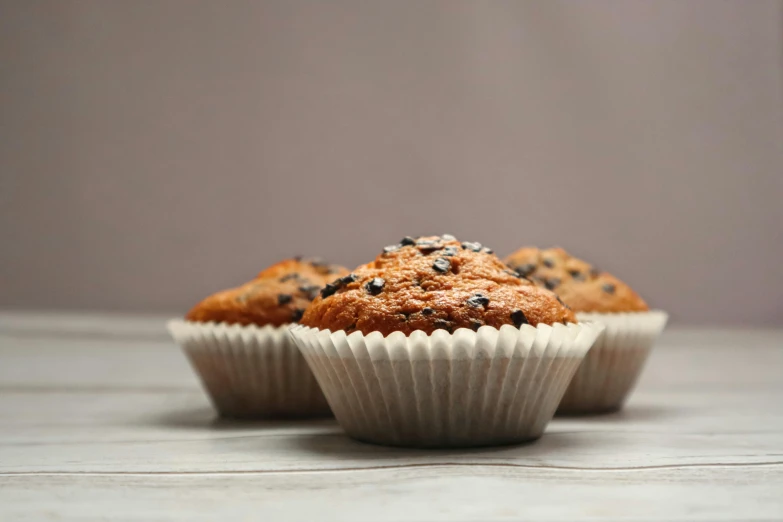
(580, 285)
(277, 296)
(432, 283)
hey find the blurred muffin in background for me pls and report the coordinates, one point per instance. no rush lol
(277, 296)
(612, 367)
(581, 286)
(237, 340)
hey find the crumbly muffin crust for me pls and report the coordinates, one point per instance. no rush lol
(580, 285)
(432, 283)
(277, 296)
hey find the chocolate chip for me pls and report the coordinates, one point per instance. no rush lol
(283, 299)
(526, 269)
(427, 311)
(328, 290)
(450, 251)
(448, 237)
(518, 316)
(350, 278)
(595, 271)
(350, 327)
(427, 247)
(288, 277)
(408, 241)
(441, 265)
(335, 285)
(297, 315)
(297, 258)
(552, 283)
(318, 262)
(311, 291)
(475, 325)
(478, 300)
(512, 273)
(487, 250)
(375, 285)
(391, 248)
(442, 324)
(475, 247)
(608, 288)
(549, 263)
(576, 274)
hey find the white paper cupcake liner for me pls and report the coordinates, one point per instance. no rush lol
(250, 372)
(494, 386)
(610, 370)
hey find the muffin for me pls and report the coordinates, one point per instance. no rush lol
(437, 343)
(238, 342)
(612, 367)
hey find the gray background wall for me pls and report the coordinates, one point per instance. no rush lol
(153, 152)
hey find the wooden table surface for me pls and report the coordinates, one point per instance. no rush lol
(101, 418)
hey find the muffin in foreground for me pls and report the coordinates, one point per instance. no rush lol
(238, 342)
(611, 369)
(437, 344)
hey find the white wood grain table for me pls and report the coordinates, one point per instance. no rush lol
(101, 418)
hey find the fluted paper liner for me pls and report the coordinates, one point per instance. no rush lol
(250, 371)
(611, 369)
(494, 386)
